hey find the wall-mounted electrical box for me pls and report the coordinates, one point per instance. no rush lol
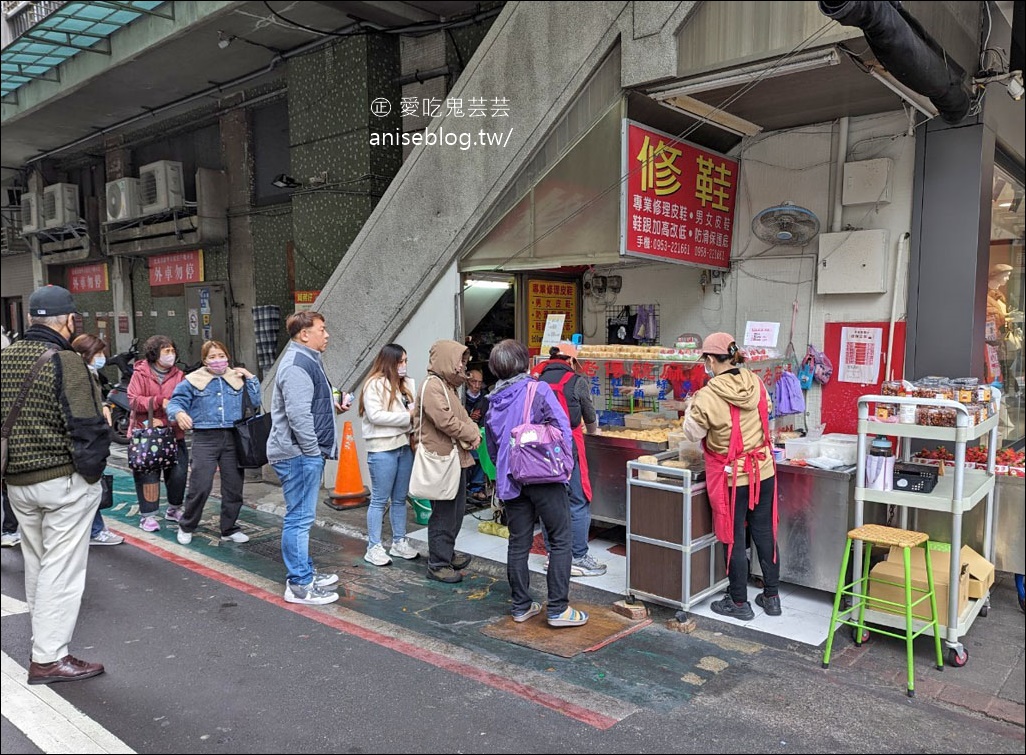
(868, 182)
(853, 262)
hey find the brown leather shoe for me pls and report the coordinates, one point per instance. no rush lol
(460, 560)
(67, 669)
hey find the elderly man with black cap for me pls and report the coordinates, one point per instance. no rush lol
(57, 451)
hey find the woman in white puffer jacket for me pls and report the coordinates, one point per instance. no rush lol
(387, 410)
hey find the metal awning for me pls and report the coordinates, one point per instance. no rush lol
(69, 30)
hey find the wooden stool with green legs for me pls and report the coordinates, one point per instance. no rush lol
(858, 590)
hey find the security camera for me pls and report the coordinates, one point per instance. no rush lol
(1015, 87)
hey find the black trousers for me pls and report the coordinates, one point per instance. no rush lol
(444, 525)
(213, 449)
(759, 522)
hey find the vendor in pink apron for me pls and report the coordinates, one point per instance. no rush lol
(730, 415)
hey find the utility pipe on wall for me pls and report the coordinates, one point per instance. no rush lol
(902, 249)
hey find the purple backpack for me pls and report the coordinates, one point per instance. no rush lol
(536, 453)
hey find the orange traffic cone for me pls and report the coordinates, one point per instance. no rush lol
(349, 492)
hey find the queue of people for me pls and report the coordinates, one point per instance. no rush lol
(59, 452)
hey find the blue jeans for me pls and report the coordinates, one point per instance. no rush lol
(390, 479)
(301, 483)
(475, 475)
(98, 525)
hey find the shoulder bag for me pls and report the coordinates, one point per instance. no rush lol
(434, 477)
(5, 432)
(536, 454)
(152, 449)
(251, 434)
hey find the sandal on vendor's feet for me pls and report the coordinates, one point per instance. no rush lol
(533, 610)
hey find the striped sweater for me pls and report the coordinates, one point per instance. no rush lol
(61, 429)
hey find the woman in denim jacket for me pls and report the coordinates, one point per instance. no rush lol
(209, 402)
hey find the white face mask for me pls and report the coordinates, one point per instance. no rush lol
(708, 370)
(401, 369)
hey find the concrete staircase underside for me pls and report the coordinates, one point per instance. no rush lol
(539, 56)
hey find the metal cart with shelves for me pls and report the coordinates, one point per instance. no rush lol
(955, 493)
(673, 557)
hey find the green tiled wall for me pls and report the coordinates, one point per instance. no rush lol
(329, 131)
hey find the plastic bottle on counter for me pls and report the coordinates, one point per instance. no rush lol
(880, 465)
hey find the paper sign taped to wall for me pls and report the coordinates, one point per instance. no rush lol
(860, 355)
(764, 334)
(553, 331)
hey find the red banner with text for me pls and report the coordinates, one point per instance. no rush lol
(678, 200)
(180, 267)
(85, 279)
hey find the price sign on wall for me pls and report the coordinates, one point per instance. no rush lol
(549, 297)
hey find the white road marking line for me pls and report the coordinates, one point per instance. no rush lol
(52, 723)
(12, 606)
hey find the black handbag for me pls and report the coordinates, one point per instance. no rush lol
(152, 449)
(620, 328)
(251, 434)
(106, 491)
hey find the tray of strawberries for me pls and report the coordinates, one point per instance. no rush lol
(1007, 461)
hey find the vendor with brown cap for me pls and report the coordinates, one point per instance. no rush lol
(730, 415)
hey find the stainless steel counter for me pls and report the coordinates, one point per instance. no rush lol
(815, 510)
(607, 467)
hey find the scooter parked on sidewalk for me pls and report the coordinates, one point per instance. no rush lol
(117, 396)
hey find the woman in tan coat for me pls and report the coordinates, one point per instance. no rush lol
(443, 422)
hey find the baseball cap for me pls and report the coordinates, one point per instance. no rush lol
(51, 300)
(717, 343)
(999, 268)
(567, 349)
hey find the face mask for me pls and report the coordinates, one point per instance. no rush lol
(98, 363)
(218, 366)
(401, 369)
(167, 360)
(708, 370)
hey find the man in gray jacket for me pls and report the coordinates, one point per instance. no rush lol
(303, 435)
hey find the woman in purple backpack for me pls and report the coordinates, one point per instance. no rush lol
(525, 503)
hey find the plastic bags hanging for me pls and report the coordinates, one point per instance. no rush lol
(787, 395)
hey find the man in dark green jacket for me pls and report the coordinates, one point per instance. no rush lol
(57, 452)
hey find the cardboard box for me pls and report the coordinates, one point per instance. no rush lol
(893, 571)
(981, 571)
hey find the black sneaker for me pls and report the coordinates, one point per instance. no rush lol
(768, 603)
(727, 607)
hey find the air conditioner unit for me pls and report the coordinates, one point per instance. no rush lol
(161, 187)
(123, 199)
(60, 205)
(29, 213)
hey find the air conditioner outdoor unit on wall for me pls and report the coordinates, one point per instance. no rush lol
(123, 199)
(29, 213)
(60, 205)
(161, 187)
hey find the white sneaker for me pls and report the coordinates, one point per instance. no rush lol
(10, 539)
(184, 537)
(376, 555)
(401, 548)
(106, 537)
(237, 537)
